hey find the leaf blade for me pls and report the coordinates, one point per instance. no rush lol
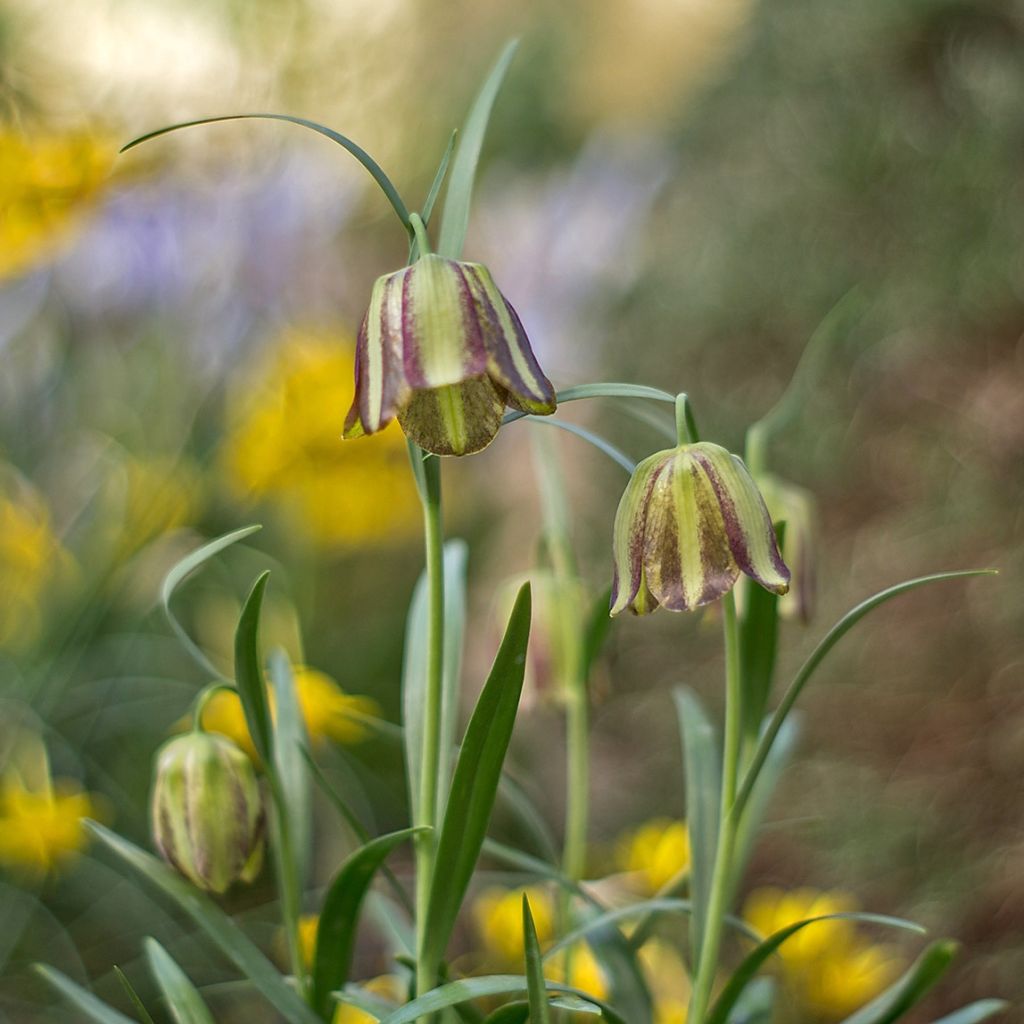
(95, 1009)
(536, 993)
(183, 1000)
(252, 689)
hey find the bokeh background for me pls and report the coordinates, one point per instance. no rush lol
(674, 192)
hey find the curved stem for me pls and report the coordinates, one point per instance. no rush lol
(722, 872)
(429, 477)
(686, 424)
(420, 233)
(202, 699)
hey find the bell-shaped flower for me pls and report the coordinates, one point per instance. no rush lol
(444, 351)
(690, 521)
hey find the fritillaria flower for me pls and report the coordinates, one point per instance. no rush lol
(443, 350)
(690, 521)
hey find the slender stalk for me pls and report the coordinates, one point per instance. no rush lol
(426, 844)
(722, 872)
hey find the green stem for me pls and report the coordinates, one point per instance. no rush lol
(722, 872)
(686, 425)
(430, 493)
(420, 233)
(288, 886)
(202, 699)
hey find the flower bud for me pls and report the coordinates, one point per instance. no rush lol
(207, 811)
(444, 351)
(690, 521)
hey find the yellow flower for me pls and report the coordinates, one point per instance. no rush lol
(498, 914)
(284, 446)
(656, 852)
(46, 184)
(40, 830)
(31, 559)
(668, 981)
(329, 712)
(585, 973)
(308, 925)
(387, 986)
(830, 969)
(150, 497)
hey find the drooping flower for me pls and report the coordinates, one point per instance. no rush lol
(207, 811)
(690, 521)
(657, 852)
(444, 351)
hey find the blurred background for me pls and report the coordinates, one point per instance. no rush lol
(673, 192)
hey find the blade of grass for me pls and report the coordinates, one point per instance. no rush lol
(339, 918)
(184, 1002)
(371, 165)
(224, 932)
(459, 197)
(976, 1012)
(177, 575)
(83, 1000)
(133, 996)
(252, 689)
(536, 993)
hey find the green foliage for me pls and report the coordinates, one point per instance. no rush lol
(184, 1002)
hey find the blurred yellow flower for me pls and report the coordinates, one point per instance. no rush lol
(47, 183)
(498, 914)
(329, 712)
(40, 830)
(656, 852)
(830, 968)
(149, 497)
(284, 445)
(668, 981)
(308, 925)
(31, 559)
(387, 986)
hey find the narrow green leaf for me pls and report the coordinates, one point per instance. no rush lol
(759, 633)
(459, 197)
(252, 688)
(603, 446)
(979, 1011)
(834, 635)
(291, 744)
(462, 991)
(371, 165)
(598, 626)
(83, 1000)
(339, 918)
(757, 1004)
(760, 797)
(442, 171)
(755, 960)
(536, 993)
(911, 988)
(510, 1013)
(414, 673)
(658, 905)
(133, 996)
(184, 1002)
(703, 776)
(475, 782)
(581, 391)
(221, 929)
(177, 575)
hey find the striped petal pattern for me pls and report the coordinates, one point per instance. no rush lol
(690, 521)
(442, 349)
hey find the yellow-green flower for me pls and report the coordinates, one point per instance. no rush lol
(828, 966)
(41, 829)
(283, 447)
(657, 852)
(47, 182)
(328, 711)
(690, 521)
(443, 350)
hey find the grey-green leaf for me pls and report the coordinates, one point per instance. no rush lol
(475, 782)
(459, 197)
(252, 688)
(703, 776)
(834, 635)
(183, 1000)
(976, 1012)
(744, 974)
(339, 918)
(371, 165)
(177, 575)
(902, 996)
(536, 993)
(221, 929)
(133, 996)
(83, 1001)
